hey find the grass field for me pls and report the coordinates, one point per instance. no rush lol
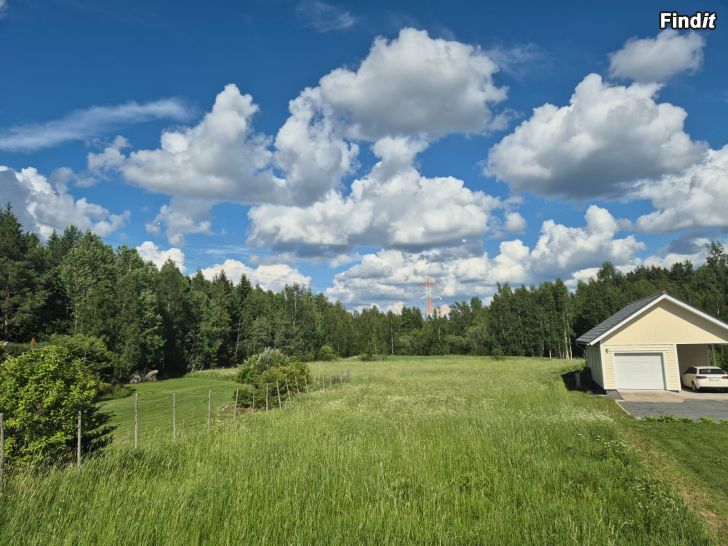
(694, 457)
(427, 451)
(155, 407)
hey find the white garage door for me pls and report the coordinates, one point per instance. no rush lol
(639, 371)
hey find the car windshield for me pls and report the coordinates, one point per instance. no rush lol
(712, 371)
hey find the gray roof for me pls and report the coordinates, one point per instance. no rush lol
(621, 315)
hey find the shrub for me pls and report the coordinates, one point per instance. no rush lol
(497, 353)
(274, 370)
(41, 393)
(91, 351)
(15, 349)
(327, 353)
(369, 357)
(266, 359)
(114, 392)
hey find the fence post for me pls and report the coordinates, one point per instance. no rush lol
(174, 416)
(266, 397)
(78, 441)
(306, 383)
(209, 409)
(288, 390)
(297, 389)
(253, 396)
(235, 409)
(278, 390)
(136, 420)
(2, 449)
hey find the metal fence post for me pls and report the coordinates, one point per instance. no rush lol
(209, 409)
(78, 441)
(288, 390)
(136, 420)
(278, 390)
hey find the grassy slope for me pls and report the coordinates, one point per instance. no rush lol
(695, 457)
(155, 407)
(431, 451)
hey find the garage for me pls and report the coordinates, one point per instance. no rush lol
(647, 344)
(639, 371)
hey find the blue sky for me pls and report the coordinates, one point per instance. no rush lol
(363, 147)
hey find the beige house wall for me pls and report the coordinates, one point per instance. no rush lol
(681, 335)
(668, 323)
(692, 355)
(669, 359)
(593, 359)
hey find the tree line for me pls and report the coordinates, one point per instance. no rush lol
(150, 318)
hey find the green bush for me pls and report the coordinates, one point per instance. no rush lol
(268, 358)
(274, 371)
(41, 393)
(114, 392)
(92, 351)
(369, 357)
(327, 353)
(15, 349)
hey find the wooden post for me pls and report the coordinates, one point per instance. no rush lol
(305, 381)
(235, 409)
(266, 397)
(297, 389)
(209, 409)
(2, 449)
(136, 420)
(288, 390)
(253, 396)
(174, 416)
(278, 390)
(78, 441)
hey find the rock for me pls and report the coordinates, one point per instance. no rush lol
(135, 378)
(151, 375)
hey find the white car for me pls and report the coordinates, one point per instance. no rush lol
(705, 377)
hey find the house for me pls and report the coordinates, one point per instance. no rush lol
(650, 342)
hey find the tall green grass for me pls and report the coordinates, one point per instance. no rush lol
(429, 451)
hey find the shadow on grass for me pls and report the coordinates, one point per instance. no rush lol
(581, 380)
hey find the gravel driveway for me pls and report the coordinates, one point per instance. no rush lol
(693, 408)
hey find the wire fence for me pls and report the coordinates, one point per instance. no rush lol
(145, 419)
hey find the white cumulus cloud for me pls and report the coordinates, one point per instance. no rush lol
(221, 158)
(43, 207)
(182, 216)
(415, 84)
(658, 59)
(269, 276)
(607, 138)
(693, 198)
(394, 206)
(560, 251)
(150, 252)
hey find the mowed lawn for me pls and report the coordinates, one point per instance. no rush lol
(155, 407)
(412, 451)
(695, 458)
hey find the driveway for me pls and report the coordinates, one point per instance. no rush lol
(641, 404)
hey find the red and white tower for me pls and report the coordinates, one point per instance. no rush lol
(429, 287)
